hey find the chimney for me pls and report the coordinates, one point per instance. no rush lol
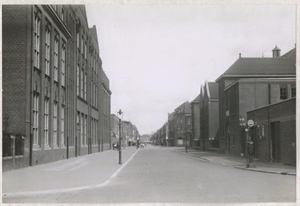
(276, 52)
(240, 55)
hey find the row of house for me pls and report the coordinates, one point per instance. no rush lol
(56, 95)
(262, 90)
(129, 131)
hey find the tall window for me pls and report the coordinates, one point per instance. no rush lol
(95, 135)
(81, 82)
(55, 142)
(85, 136)
(96, 96)
(63, 63)
(78, 80)
(85, 75)
(46, 119)
(62, 115)
(62, 13)
(283, 93)
(56, 59)
(37, 39)
(47, 52)
(35, 118)
(81, 129)
(293, 91)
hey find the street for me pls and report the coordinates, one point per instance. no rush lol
(168, 175)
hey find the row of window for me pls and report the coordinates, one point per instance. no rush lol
(55, 141)
(284, 92)
(59, 53)
(82, 129)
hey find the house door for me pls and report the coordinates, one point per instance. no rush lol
(243, 137)
(255, 141)
(275, 141)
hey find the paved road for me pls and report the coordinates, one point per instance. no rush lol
(164, 175)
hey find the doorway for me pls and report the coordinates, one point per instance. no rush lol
(275, 141)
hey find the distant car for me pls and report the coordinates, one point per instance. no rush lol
(142, 145)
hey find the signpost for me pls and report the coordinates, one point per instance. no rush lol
(250, 123)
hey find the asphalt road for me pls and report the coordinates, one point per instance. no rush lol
(164, 175)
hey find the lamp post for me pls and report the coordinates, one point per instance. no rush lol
(120, 136)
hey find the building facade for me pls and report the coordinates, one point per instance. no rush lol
(274, 132)
(236, 98)
(53, 108)
(209, 116)
(183, 125)
(196, 121)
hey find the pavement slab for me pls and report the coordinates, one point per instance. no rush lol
(87, 171)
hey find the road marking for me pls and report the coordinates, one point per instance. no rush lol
(71, 189)
(119, 170)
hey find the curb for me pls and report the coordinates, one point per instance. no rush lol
(265, 171)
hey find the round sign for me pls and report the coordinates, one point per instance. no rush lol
(250, 123)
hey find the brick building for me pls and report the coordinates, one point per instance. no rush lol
(196, 121)
(114, 128)
(56, 96)
(274, 132)
(248, 84)
(209, 116)
(183, 124)
(171, 129)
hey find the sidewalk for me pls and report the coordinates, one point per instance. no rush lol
(240, 162)
(66, 175)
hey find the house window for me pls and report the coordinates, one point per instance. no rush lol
(55, 142)
(47, 51)
(62, 115)
(78, 80)
(85, 75)
(63, 63)
(189, 121)
(46, 119)
(36, 119)
(62, 13)
(283, 93)
(85, 136)
(37, 39)
(81, 82)
(55, 59)
(81, 129)
(293, 92)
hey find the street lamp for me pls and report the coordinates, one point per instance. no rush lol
(120, 136)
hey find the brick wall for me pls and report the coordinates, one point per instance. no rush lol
(15, 45)
(284, 113)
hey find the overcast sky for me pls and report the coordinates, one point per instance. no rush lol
(157, 56)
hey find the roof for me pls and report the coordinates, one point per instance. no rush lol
(285, 65)
(184, 108)
(291, 55)
(93, 32)
(213, 89)
(196, 100)
(201, 91)
(171, 116)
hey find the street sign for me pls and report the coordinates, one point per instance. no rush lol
(250, 123)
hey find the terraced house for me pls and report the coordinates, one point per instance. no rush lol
(56, 96)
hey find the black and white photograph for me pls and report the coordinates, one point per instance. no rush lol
(149, 102)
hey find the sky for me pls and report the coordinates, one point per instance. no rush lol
(157, 56)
